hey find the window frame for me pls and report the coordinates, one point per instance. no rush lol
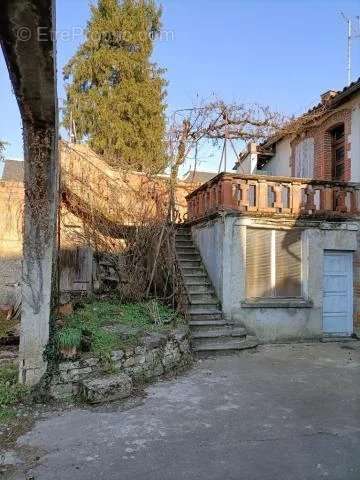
(337, 143)
(273, 276)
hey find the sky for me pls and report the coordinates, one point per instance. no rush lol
(280, 53)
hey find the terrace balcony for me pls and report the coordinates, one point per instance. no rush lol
(260, 195)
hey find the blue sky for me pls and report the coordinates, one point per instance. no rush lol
(280, 53)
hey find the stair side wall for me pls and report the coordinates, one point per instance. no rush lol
(209, 237)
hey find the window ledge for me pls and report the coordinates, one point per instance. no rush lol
(277, 303)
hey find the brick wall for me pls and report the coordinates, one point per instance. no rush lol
(322, 145)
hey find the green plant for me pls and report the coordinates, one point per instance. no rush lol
(11, 392)
(112, 81)
(88, 326)
(69, 337)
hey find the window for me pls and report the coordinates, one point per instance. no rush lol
(338, 152)
(304, 158)
(273, 263)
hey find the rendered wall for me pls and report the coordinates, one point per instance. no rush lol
(279, 164)
(355, 144)
(303, 319)
(209, 239)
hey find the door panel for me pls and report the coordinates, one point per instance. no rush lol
(337, 300)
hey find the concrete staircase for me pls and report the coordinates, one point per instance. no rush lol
(209, 331)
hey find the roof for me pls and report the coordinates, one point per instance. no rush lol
(195, 176)
(13, 171)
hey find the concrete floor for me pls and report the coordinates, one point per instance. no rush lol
(285, 412)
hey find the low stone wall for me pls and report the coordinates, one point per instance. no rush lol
(158, 354)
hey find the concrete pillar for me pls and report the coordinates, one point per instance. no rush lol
(27, 40)
(39, 248)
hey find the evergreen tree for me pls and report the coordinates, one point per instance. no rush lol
(115, 95)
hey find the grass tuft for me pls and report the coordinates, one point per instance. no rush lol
(11, 392)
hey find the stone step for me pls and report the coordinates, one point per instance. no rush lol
(184, 239)
(209, 306)
(187, 247)
(195, 279)
(185, 262)
(226, 332)
(225, 345)
(197, 271)
(209, 323)
(205, 313)
(209, 301)
(205, 297)
(333, 338)
(200, 289)
(183, 236)
(191, 255)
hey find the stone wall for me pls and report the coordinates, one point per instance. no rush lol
(11, 212)
(157, 355)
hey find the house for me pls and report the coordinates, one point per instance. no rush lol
(198, 177)
(324, 143)
(280, 238)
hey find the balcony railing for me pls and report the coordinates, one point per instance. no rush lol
(274, 196)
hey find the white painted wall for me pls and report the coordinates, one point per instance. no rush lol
(225, 260)
(279, 165)
(248, 165)
(355, 144)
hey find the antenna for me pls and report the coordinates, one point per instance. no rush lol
(350, 37)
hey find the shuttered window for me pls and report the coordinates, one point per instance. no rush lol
(273, 263)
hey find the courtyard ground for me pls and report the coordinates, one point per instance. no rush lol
(282, 412)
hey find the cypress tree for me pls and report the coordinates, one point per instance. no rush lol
(115, 95)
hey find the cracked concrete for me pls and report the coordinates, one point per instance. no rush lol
(285, 412)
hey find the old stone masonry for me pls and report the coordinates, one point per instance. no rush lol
(88, 379)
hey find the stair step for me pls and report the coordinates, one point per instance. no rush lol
(192, 278)
(200, 289)
(333, 338)
(188, 246)
(205, 312)
(189, 262)
(227, 332)
(203, 297)
(207, 323)
(207, 301)
(188, 255)
(183, 235)
(201, 345)
(195, 271)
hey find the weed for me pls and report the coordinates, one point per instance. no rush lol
(11, 392)
(87, 326)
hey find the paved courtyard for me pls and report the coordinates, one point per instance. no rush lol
(285, 412)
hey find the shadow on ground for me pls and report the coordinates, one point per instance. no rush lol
(284, 412)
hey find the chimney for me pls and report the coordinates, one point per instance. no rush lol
(252, 147)
(325, 97)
